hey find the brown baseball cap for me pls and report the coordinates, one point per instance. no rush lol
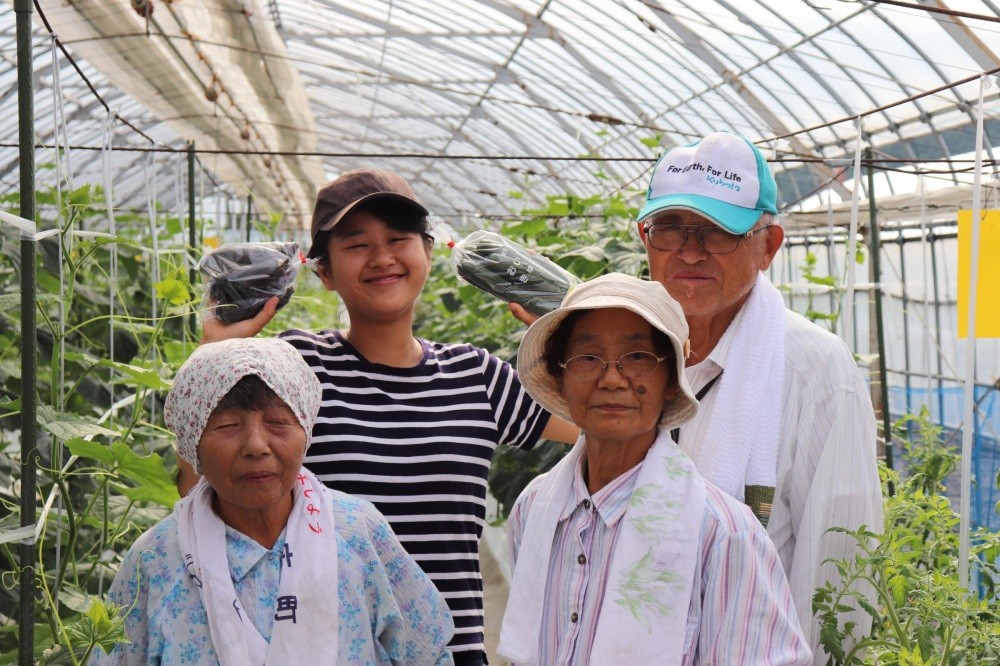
(353, 188)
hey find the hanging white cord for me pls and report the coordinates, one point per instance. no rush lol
(969, 421)
(63, 167)
(851, 246)
(62, 170)
(109, 201)
(58, 120)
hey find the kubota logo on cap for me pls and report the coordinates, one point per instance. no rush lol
(729, 173)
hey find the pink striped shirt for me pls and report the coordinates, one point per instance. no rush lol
(742, 614)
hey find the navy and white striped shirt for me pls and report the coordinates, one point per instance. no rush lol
(417, 442)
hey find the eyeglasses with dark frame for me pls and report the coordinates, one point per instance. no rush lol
(630, 364)
(713, 239)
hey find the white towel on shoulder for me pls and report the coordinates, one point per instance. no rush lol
(741, 441)
(643, 617)
(306, 622)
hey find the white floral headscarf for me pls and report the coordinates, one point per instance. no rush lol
(214, 369)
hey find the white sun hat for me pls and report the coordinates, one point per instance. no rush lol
(647, 299)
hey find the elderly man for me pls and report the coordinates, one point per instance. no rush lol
(786, 422)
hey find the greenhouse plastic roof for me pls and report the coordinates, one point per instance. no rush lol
(489, 107)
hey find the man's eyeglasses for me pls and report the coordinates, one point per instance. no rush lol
(632, 364)
(713, 239)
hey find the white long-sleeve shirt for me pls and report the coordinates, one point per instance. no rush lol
(826, 468)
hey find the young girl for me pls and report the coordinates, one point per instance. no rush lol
(408, 424)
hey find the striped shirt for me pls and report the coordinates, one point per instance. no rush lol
(742, 613)
(417, 443)
(827, 472)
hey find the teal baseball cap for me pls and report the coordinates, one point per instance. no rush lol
(723, 177)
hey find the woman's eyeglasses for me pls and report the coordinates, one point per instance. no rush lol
(714, 240)
(632, 365)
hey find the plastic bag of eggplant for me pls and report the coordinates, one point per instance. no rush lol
(511, 272)
(241, 277)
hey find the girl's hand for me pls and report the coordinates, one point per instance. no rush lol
(521, 314)
(213, 330)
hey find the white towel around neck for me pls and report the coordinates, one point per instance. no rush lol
(309, 577)
(642, 618)
(741, 441)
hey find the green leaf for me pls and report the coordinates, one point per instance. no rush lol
(102, 625)
(527, 228)
(650, 141)
(591, 253)
(177, 351)
(146, 471)
(10, 302)
(815, 315)
(66, 425)
(828, 281)
(74, 598)
(13, 301)
(138, 376)
(85, 448)
(153, 482)
(173, 291)
(515, 194)
(831, 640)
(81, 196)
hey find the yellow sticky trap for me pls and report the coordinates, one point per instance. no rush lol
(988, 281)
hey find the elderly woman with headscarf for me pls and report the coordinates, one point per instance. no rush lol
(260, 563)
(622, 553)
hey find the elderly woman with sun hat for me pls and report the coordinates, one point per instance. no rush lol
(622, 553)
(261, 563)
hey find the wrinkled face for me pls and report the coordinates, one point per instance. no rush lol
(710, 285)
(612, 407)
(377, 271)
(251, 458)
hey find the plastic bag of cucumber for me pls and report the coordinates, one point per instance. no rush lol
(511, 272)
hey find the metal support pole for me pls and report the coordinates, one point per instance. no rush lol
(192, 231)
(879, 323)
(249, 208)
(29, 345)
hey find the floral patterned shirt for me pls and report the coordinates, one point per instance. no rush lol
(383, 595)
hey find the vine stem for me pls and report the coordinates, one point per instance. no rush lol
(58, 628)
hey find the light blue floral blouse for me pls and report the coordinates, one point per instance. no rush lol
(390, 612)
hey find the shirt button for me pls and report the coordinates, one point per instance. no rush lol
(586, 504)
(582, 559)
(574, 617)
